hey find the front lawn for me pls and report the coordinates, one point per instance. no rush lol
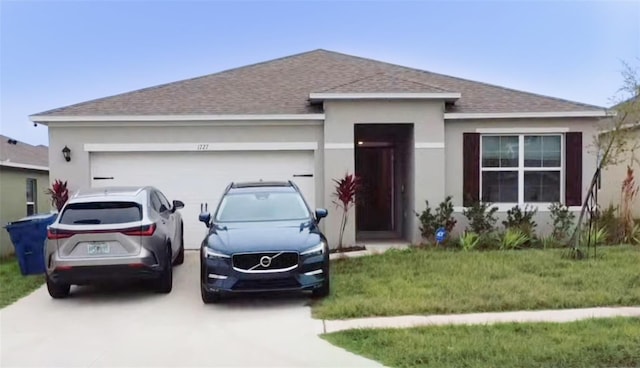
(418, 281)
(588, 343)
(13, 285)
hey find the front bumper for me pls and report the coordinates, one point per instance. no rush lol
(218, 275)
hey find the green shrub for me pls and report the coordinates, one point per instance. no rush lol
(469, 241)
(441, 217)
(513, 238)
(481, 217)
(609, 221)
(521, 219)
(562, 221)
(597, 236)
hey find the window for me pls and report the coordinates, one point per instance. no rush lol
(32, 197)
(521, 168)
(262, 206)
(95, 213)
(163, 201)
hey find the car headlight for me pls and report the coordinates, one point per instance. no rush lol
(316, 250)
(210, 253)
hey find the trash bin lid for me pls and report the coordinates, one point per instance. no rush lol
(36, 217)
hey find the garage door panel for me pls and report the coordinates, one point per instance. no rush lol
(201, 177)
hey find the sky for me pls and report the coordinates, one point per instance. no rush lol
(58, 53)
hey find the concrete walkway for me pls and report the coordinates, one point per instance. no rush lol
(563, 315)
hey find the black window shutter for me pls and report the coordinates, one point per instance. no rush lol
(573, 169)
(470, 168)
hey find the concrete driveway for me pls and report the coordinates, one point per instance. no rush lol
(99, 327)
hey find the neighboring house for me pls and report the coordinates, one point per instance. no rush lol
(411, 135)
(24, 178)
(612, 176)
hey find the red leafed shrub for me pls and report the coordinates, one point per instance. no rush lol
(345, 193)
(59, 194)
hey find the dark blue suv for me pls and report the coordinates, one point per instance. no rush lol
(263, 237)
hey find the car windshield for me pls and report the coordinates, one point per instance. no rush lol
(95, 213)
(262, 206)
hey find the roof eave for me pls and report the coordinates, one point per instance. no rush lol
(446, 96)
(23, 166)
(530, 115)
(46, 119)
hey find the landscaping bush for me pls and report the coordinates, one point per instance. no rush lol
(514, 238)
(521, 219)
(481, 217)
(469, 240)
(562, 221)
(441, 217)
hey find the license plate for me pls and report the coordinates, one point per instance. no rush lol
(98, 248)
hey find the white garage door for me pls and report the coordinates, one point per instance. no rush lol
(199, 177)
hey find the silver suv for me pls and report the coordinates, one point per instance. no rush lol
(114, 233)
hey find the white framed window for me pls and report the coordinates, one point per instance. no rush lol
(32, 196)
(522, 168)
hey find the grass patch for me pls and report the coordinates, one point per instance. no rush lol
(419, 281)
(13, 285)
(588, 343)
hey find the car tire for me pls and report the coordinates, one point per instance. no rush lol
(180, 257)
(165, 281)
(209, 297)
(325, 289)
(56, 290)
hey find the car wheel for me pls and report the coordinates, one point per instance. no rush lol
(180, 258)
(165, 282)
(323, 290)
(57, 291)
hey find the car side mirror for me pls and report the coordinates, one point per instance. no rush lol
(204, 216)
(177, 205)
(321, 213)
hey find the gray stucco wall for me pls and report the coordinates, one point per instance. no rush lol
(612, 177)
(428, 167)
(13, 199)
(454, 155)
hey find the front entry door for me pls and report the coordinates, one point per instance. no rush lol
(374, 206)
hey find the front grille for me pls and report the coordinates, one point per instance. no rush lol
(278, 260)
(266, 284)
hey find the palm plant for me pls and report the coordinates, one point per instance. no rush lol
(513, 238)
(469, 240)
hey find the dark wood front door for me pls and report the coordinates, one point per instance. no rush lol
(374, 207)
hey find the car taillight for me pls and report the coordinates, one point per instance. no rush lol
(53, 234)
(146, 230)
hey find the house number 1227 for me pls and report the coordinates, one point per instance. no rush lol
(202, 147)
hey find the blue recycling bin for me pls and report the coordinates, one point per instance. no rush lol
(28, 236)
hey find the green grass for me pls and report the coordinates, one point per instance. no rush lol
(419, 281)
(13, 285)
(588, 343)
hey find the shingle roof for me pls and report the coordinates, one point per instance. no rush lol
(23, 153)
(381, 83)
(282, 86)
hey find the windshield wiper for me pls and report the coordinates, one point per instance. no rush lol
(305, 224)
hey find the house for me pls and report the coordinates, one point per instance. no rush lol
(614, 174)
(411, 135)
(24, 178)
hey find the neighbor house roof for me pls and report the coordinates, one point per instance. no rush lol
(14, 153)
(283, 86)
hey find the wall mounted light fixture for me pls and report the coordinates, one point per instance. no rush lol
(66, 152)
